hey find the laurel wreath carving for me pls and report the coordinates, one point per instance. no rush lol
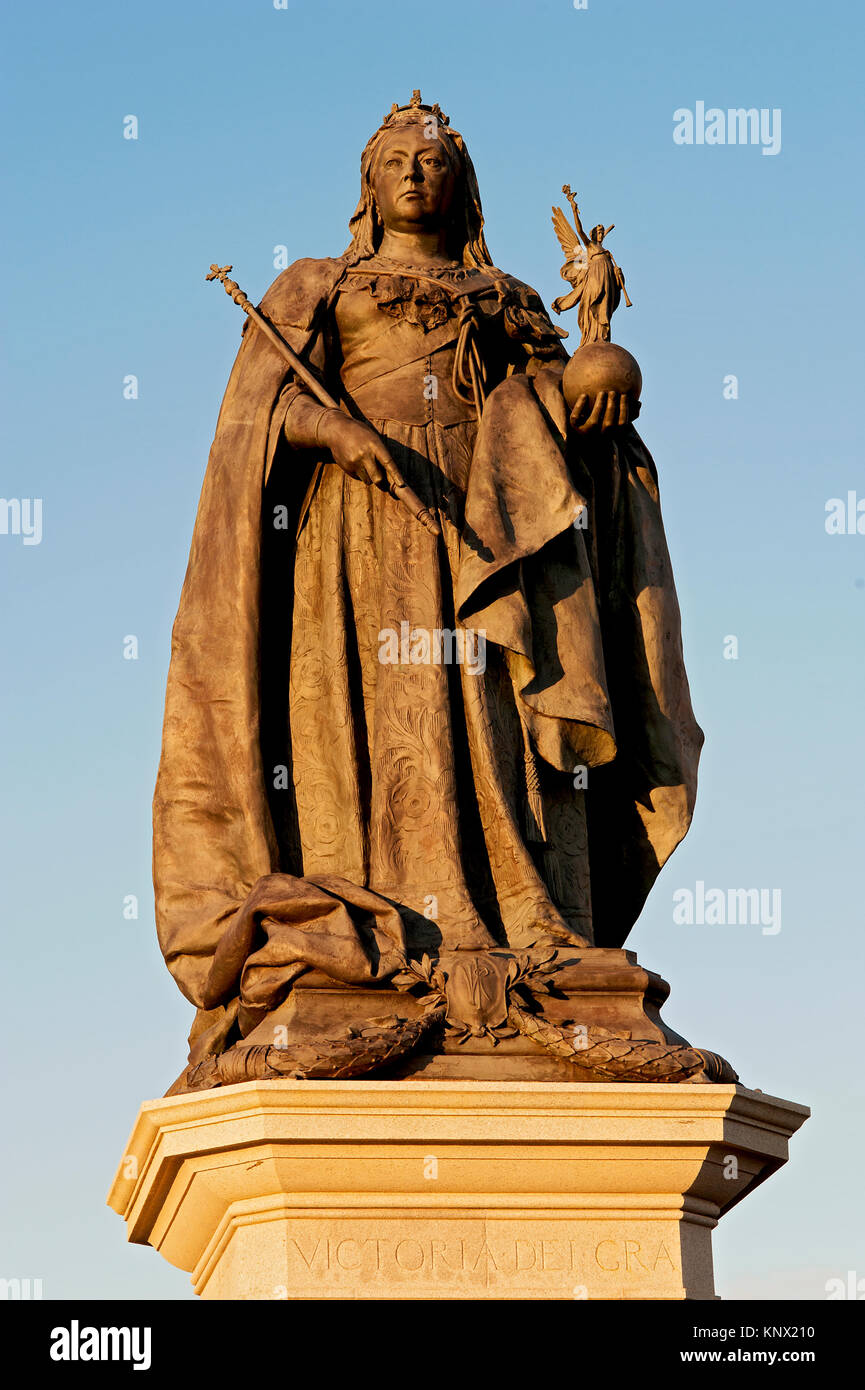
(599, 1053)
(611, 1057)
(605, 1055)
(354, 1052)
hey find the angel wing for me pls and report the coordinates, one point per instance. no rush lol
(568, 239)
(576, 258)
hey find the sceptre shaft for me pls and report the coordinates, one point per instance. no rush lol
(397, 485)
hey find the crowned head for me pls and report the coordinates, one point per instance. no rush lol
(416, 171)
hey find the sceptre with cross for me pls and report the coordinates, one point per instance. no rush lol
(397, 485)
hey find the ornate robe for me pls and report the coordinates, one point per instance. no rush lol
(337, 784)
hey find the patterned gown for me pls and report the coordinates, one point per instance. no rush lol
(414, 776)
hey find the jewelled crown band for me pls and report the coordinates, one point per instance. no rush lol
(415, 109)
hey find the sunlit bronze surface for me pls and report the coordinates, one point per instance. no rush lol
(388, 745)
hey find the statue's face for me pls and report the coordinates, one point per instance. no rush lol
(412, 181)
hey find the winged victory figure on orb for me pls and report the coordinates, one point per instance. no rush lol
(598, 282)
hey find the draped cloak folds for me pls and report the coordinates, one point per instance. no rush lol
(587, 619)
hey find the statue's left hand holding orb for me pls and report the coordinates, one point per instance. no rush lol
(606, 411)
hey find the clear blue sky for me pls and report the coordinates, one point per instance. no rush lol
(251, 125)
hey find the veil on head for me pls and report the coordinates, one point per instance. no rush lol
(465, 234)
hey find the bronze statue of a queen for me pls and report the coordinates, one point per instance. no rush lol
(383, 740)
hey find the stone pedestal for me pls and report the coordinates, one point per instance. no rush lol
(447, 1189)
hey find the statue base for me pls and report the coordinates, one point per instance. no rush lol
(606, 994)
(447, 1190)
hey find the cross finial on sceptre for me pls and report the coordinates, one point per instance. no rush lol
(231, 287)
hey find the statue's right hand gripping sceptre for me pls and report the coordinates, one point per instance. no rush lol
(397, 485)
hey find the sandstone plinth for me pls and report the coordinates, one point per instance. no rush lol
(447, 1190)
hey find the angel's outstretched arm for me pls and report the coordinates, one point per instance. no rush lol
(571, 197)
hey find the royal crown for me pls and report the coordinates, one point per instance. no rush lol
(417, 105)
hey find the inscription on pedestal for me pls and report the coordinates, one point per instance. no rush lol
(574, 1260)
